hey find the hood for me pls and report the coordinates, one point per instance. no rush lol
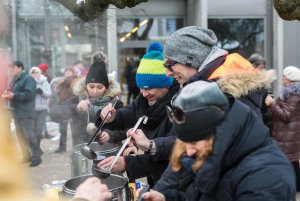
(244, 82)
(293, 89)
(234, 139)
(214, 54)
(79, 89)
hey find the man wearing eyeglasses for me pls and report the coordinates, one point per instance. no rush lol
(191, 54)
(222, 152)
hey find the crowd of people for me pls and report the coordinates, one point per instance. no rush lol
(211, 129)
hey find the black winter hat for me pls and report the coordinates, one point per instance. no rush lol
(97, 74)
(204, 107)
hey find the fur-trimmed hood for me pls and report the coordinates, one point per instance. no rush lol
(79, 89)
(242, 83)
(293, 89)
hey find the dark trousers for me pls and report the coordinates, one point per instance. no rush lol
(63, 128)
(27, 137)
(297, 173)
(40, 119)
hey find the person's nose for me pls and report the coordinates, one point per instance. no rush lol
(190, 150)
(169, 73)
(145, 93)
(94, 91)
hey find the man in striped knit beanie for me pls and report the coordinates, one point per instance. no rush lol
(156, 92)
(151, 75)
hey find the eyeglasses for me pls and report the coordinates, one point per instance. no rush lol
(176, 114)
(169, 63)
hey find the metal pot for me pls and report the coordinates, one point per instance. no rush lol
(80, 165)
(116, 184)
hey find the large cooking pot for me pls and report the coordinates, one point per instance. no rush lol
(116, 184)
(80, 165)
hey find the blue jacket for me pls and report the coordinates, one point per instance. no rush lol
(245, 165)
(23, 101)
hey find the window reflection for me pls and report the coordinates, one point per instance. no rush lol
(147, 28)
(244, 36)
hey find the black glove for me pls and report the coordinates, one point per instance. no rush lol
(39, 91)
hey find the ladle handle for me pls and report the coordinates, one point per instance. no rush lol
(102, 123)
(125, 143)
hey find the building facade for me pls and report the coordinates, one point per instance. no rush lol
(45, 32)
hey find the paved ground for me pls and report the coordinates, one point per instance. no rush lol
(55, 166)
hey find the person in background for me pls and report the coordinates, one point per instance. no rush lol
(89, 95)
(22, 99)
(93, 91)
(43, 92)
(44, 69)
(129, 73)
(259, 62)
(79, 69)
(222, 151)
(156, 91)
(61, 86)
(286, 117)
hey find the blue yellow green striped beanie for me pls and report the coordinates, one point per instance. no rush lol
(151, 72)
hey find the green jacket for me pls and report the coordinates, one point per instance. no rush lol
(23, 101)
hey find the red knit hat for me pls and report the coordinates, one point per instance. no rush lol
(43, 67)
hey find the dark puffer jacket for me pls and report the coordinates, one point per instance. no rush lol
(245, 165)
(286, 120)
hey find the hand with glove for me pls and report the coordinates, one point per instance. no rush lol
(39, 91)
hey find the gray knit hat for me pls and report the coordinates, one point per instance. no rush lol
(190, 45)
(204, 106)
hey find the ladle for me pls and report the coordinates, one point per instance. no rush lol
(103, 173)
(86, 150)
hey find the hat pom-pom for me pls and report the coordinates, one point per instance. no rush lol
(156, 46)
(99, 56)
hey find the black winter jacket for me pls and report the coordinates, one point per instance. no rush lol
(245, 165)
(157, 126)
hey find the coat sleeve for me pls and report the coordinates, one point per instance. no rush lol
(125, 118)
(47, 92)
(116, 136)
(29, 91)
(143, 165)
(282, 110)
(164, 146)
(174, 184)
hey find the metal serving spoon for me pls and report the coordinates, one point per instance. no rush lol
(103, 173)
(86, 150)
